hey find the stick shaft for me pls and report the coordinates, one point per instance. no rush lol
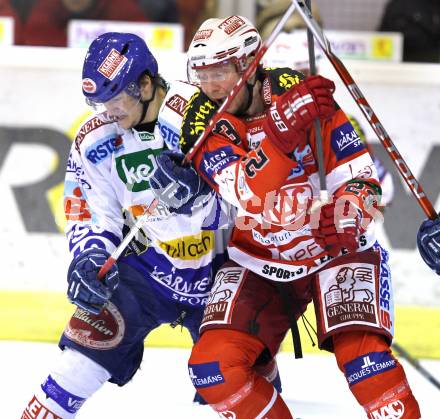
(127, 239)
(368, 112)
(416, 364)
(316, 122)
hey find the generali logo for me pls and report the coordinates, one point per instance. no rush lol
(112, 64)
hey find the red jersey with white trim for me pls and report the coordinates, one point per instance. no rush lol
(273, 191)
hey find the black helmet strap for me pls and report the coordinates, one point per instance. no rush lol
(146, 103)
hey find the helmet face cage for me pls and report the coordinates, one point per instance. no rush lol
(115, 63)
(232, 39)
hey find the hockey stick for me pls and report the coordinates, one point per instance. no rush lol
(416, 364)
(366, 109)
(252, 67)
(127, 239)
(323, 193)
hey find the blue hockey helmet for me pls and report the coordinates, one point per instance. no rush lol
(114, 63)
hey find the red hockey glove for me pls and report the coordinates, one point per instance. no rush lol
(294, 111)
(339, 226)
(341, 222)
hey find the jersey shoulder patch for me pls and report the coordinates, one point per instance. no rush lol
(199, 111)
(276, 81)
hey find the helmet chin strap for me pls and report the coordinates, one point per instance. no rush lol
(146, 104)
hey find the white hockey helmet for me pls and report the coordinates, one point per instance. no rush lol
(218, 41)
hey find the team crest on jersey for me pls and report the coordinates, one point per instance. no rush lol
(102, 331)
(289, 205)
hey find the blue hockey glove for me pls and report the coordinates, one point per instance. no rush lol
(176, 186)
(85, 289)
(428, 242)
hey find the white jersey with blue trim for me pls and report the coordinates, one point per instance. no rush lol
(107, 186)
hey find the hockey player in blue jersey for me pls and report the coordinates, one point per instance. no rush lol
(165, 275)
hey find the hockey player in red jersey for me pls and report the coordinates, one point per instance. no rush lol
(261, 157)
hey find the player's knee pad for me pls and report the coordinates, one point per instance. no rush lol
(221, 363)
(69, 384)
(375, 376)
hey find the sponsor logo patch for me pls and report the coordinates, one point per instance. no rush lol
(267, 91)
(135, 169)
(76, 207)
(189, 247)
(385, 292)
(223, 293)
(88, 85)
(231, 24)
(104, 148)
(216, 161)
(198, 113)
(286, 80)
(182, 285)
(394, 410)
(367, 366)
(170, 137)
(112, 64)
(345, 141)
(89, 126)
(35, 410)
(203, 34)
(273, 238)
(281, 273)
(103, 331)
(68, 401)
(349, 296)
(177, 103)
(205, 375)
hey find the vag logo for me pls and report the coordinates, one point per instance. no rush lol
(136, 168)
(394, 410)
